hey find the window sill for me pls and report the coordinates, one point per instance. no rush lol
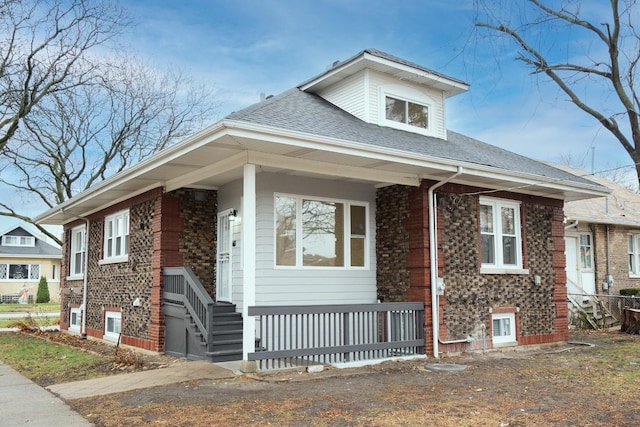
(80, 277)
(114, 260)
(495, 270)
(505, 344)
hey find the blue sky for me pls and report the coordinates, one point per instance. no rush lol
(247, 47)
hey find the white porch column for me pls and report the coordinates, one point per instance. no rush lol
(249, 260)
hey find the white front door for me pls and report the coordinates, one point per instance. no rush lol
(223, 264)
(573, 275)
(580, 268)
(587, 270)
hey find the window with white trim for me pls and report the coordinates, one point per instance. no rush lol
(78, 239)
(503, 328)
(500, 233)
(75, 319)
(27, 241)
(406, 108)
(406, 112)
(116, 236)
(112, 325)
(314, 232)
(634, 254)
(20, 272)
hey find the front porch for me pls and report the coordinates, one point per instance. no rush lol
(286, 335)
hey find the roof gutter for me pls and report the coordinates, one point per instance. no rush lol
(433, 259)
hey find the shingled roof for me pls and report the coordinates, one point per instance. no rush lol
(300, 111)
(41, 249)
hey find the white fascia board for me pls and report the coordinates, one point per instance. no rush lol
(455, 85)
(305, 140)
(604, 220)
(27, 257)
(190, 143)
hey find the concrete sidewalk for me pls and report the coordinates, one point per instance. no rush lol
(184, 371)
(22, 402)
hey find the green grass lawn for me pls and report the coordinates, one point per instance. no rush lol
(30, 308)
(46, 362)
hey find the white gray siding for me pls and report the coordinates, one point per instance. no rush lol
(301, 286)
(349, 94)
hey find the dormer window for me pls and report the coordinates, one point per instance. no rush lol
(9, 240)
(406, 108)
(407, 112)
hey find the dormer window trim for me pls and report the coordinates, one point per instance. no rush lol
(411, 98)
(24, 241)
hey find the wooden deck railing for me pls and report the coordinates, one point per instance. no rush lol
(294, 335)
(182, 287)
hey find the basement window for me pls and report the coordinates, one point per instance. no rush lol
(75, 319)
(503, 326)
(112, 325)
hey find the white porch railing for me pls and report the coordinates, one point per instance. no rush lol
(302, 335)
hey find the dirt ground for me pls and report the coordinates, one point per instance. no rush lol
(592, 381)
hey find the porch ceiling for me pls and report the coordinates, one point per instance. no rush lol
(216, 156)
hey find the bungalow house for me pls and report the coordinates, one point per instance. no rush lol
(306, 227)
(602, 240)
(25, 257)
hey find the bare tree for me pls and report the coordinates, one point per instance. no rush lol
(598, 50)
(84, 134)
(43, 45)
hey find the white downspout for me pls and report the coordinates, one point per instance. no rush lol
(433, 259)
(83, 331)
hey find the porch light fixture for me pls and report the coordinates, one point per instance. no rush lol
(233, 215)
(199, 196)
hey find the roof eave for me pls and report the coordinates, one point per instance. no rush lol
(448, 85)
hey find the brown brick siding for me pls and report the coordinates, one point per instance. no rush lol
(392, 243)
(198, 241)
(165, 230)
(618, 257)
(470, 296)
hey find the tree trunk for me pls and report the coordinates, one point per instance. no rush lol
(630, 321)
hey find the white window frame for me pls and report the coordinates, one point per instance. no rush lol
(508, 338)
(23, 241)
(7, 267)
(74, 250)
(633, 249)
(75, 327)
(347, 235)
(119, 223)
(498, 266)
(112, 335)
(407, 94)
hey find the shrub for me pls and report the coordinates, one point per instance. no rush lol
(43, 291)
(630, 292)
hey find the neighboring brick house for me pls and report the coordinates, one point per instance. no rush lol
(25, 257)
(603, 240)
(334, 194)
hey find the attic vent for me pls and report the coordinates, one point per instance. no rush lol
(333, 64)
(264, 97)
